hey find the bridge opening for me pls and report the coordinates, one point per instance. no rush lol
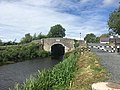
(57, 51)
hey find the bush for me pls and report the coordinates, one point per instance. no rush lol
(43, 53)
(22, 52)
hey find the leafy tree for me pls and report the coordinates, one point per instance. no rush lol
(26, 39)
(114, 21)
(40, 36)
(35, 37)
(77, 43)
(1, 42)
(90, 38)
(105, 35)
(57, 31)
(97, 39)
(9, 43)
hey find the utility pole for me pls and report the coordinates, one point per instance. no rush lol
(80, 39)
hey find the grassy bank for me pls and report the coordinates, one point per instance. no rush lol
(58, 78)
(78, 71)
(88, 72)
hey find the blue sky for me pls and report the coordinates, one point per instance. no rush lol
(18, 17)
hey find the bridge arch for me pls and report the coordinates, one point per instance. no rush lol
(66, 49)
(57, 50)
(49, 42)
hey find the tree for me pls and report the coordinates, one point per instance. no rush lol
(57, 31)
(90, 38)
(114, 21)
(40, 36)
(77, 43)
(26, 39)
(105, 35)
(97, 39)
(1, 42)
(34, 37)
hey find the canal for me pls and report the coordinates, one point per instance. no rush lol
(18, 72)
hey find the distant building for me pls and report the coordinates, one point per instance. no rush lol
(112, 40)
(115, 41)
(104, 40)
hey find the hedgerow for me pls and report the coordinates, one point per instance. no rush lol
(22, 52)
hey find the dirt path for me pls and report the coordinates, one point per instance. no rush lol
(112, 62)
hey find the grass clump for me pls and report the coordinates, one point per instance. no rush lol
(88, 71)
(58, 78)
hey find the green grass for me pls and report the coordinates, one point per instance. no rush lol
(88, 71)
(78, 71)
(58, 78)
(21, 53)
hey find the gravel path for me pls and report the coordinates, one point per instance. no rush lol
(112, 62)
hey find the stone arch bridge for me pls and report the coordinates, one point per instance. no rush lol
(51, 43)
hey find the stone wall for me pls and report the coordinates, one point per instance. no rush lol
(67, 43)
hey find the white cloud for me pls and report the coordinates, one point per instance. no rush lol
(38, 3)
(111, 2)
(84, 1)
(23, 19)
(108, 2)
(35, 16)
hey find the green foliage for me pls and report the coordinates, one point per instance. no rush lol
(90, 38)
(40, 36)
(43, 54)
(1, 42)
(58, 78)
(89, 71)
(97, 39)
(77, 43)
(56, 31)
(28, 38)
(35, 37)
(21, 53)
(114, 21)
(8, 43)
(105, 35)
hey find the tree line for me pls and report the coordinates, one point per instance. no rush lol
(114, 28)
(55, 31)
(114, 22)
(92, 38)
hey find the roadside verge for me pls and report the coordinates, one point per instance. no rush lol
(88, 71)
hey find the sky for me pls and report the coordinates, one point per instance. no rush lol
(18, 17)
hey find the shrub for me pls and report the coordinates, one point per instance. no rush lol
(22, 52)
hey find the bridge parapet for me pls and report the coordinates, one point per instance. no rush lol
(67, 43)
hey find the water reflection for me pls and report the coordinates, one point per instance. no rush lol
(18, 72)
(57, 57)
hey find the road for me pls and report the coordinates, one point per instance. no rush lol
(112, 63)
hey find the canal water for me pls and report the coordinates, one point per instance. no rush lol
(18, 72)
